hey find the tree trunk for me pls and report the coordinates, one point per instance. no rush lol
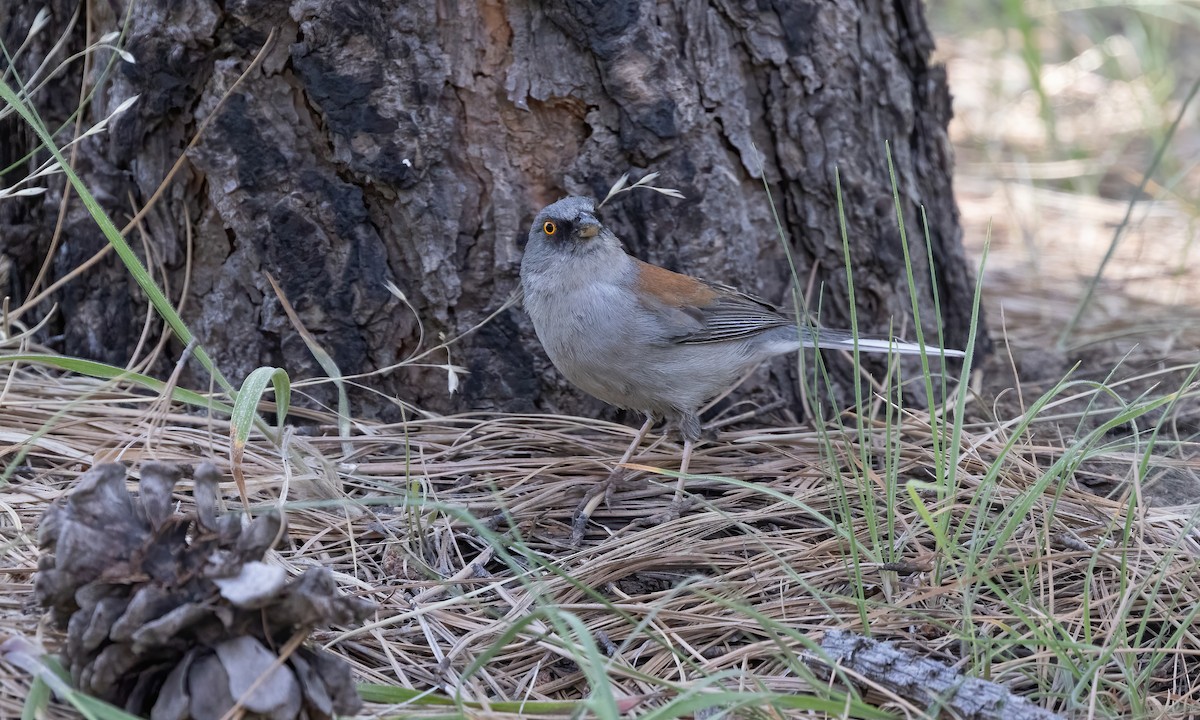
(414, 141)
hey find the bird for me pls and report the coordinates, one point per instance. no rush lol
(647, 339)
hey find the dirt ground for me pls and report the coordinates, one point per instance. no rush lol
(1050, 222)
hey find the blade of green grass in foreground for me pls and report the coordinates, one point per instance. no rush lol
(131, 260)
(245, 408)
(245, 416)
(104, 371)
(37, 701)
(45, 668)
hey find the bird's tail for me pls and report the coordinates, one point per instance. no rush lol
(844, 340)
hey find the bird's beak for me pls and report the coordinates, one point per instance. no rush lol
(589, 228)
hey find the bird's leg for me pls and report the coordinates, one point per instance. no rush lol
(677, 503)
(680, 502)
(603, 491)
(689, 427)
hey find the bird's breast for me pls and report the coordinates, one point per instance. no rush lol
(590, 332)
(580, 320)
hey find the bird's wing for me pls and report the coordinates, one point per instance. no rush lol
(694, 311)
(735, 315)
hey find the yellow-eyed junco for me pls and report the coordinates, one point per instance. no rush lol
(644, 338)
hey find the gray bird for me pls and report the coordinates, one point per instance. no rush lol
(644, 338)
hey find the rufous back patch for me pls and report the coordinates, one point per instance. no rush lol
(671, 288)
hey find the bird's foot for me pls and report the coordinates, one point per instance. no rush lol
(679, 505)
(601, 492)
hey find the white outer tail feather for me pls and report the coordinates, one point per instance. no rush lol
(830, 340)
(887, 346)
(871, 345)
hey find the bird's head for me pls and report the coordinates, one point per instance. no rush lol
(568, 240)
(570, 225)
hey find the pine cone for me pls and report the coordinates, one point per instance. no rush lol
(177, 616)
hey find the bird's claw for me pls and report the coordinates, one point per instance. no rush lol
(601, 492)
(674, 511)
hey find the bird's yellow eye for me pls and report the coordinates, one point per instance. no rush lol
(549, 228)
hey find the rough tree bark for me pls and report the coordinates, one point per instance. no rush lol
(414, 141)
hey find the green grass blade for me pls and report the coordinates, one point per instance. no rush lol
(1159, 153)
(131, 260)
(104, 371)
